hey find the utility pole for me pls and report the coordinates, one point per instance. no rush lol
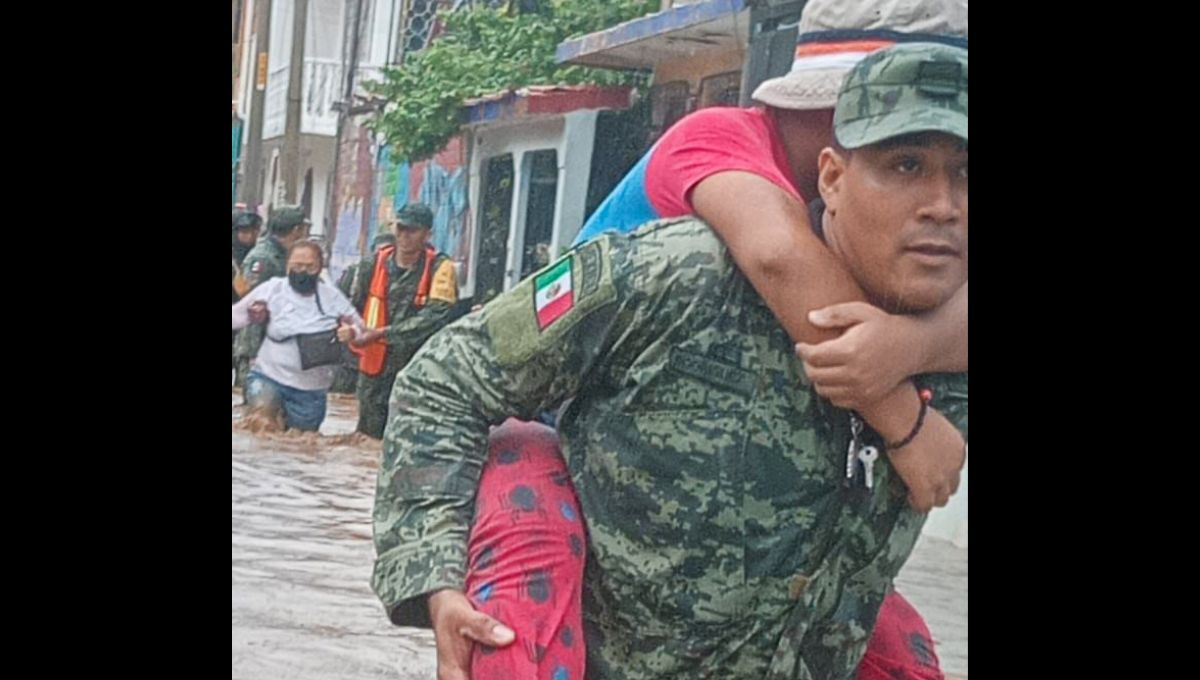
(251, 182)
(290, 158)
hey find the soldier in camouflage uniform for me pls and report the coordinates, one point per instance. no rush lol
(410, 321)
(246, 226)
(346, 379)
(265, 261)
(724, 537)
(750, 172)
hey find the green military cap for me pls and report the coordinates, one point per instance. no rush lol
(414, 216)
(285, 218)
(906, 88)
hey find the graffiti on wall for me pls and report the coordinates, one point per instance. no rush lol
(349, 238)
(347, 245)
(440, 183)
(237, 147)
(371, 186)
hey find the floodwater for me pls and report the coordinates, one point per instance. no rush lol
(302, 554)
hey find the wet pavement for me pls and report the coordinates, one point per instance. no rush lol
(302, 602)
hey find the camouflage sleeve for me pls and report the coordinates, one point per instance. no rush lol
(345, 282)
(255, 270)
(416, 329)
(361, 284)
(409, 334)
(527, 351)
(949, 397)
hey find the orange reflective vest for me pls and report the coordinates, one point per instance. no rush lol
(371, 357)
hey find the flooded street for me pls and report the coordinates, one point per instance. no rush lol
(302, 553)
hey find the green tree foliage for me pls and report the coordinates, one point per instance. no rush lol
(482, 51)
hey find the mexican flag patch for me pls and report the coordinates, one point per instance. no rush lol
(553, 295)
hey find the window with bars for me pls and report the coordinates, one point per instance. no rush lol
(668, 103)
(539, 210)
(494, 212)
(420, 18)
(721, 89)
(418, 23)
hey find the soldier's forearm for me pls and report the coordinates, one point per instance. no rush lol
(472, 374)
(419, 327)
(433, 455)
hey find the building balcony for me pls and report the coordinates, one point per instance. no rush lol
(322, 85)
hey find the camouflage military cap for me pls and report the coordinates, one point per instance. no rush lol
(913, 87)
(285, 218)
(414, 216)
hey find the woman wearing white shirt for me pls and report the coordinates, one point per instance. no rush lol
(297, 305)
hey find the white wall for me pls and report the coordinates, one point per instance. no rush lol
(281, 34)
(572, 137)
(318, 155)
(574, 171)
(384, 27)
(249, 64)
(249, 77)
(323, 29)
(496, 140)
(280, 49)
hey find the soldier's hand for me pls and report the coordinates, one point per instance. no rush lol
(367, 337)
(873, 354)
(931, 463)
(258, 312)
(345, 332)
(456, 628)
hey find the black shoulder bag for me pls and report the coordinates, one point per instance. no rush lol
(318, 349)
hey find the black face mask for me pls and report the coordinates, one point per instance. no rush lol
(302, 282)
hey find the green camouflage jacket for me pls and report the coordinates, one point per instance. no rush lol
(723, 541)
(264, 262)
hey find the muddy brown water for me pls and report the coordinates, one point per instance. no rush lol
(302, 554)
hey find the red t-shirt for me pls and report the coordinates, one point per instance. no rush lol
(710, 141)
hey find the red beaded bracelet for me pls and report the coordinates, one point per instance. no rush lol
(926, 395)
